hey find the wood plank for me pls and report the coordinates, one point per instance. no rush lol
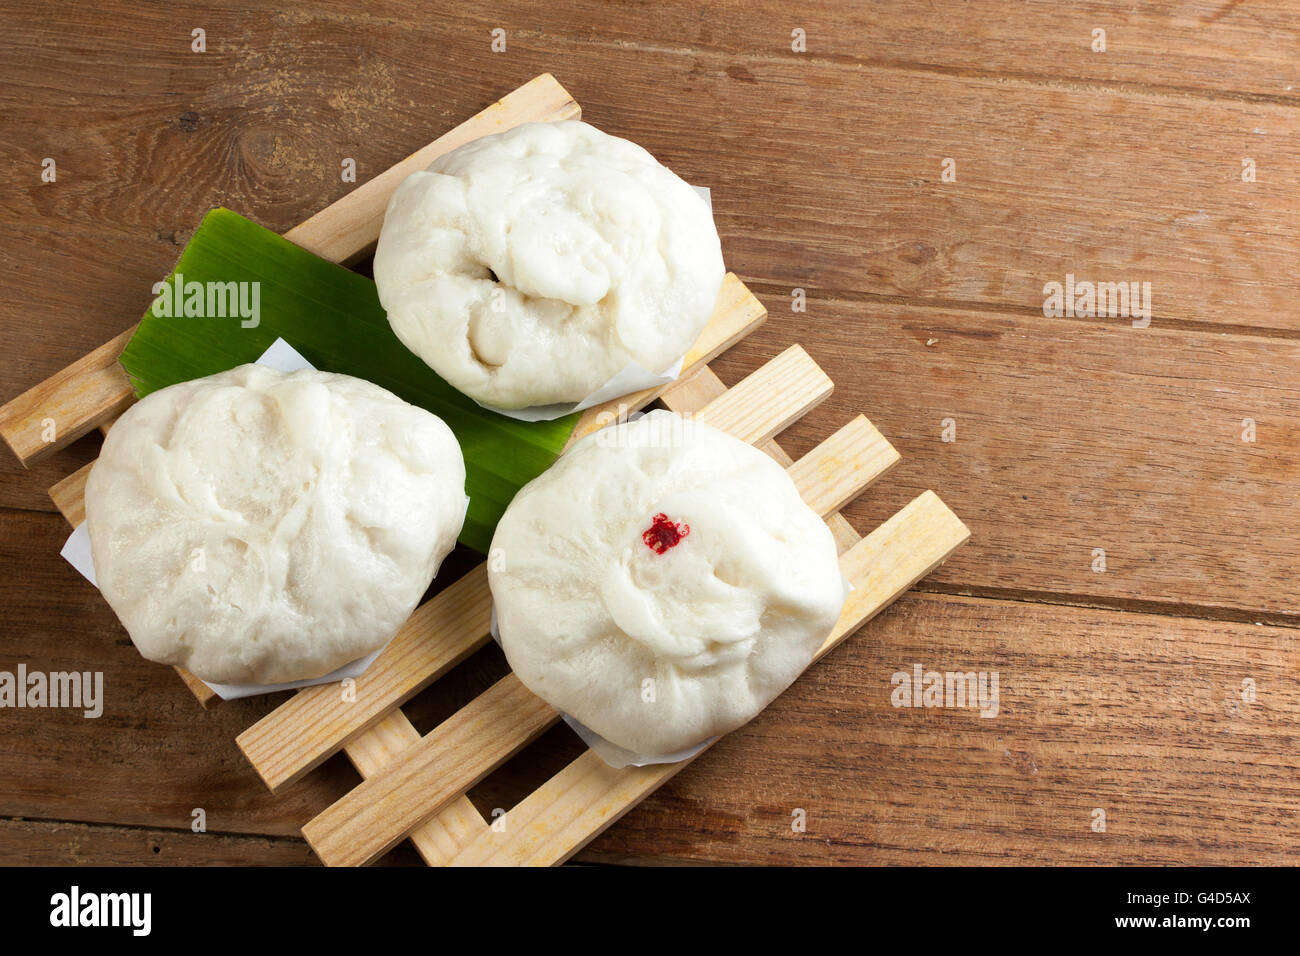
(838, 205)
(441, 837)
(69, 495)
(90, 391)
(1206, 47)
(425, 777)
(25, 843)
(831, 202)
(1138, 713)
(860, 206)
(768, 400)
(1072, 437)
(837, 470)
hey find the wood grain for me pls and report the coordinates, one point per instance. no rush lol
(1138, 713)
(1052, 177)
(1208, 47)
(58, 411)
(440, 837)
(94, 390)
(770, 398)
(1071, 437)
(825, 170)
(38, 843)
(424, 777)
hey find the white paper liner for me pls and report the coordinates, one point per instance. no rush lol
(631, 378)
(76, 551)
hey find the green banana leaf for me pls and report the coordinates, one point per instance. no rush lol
(331, 316)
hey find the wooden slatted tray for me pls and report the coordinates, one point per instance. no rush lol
(414, 786)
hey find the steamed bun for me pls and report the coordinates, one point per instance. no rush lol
(529, 267)
(662, 583)
(260, 527)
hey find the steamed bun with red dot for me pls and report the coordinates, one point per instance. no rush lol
(532, 266)
(662, 583)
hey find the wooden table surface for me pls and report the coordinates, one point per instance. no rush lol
(1159, 691)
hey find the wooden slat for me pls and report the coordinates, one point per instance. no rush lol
(454, 828)
(585, 798)
(424, 777)
(90, 391)
(205, 695)
(94, 389)
(69, 495)
(837, 470)
(769, 399)
(316, 722)
(856, 451)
